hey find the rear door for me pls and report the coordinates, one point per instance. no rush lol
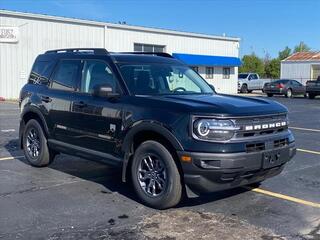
(97, 121)
(60, 96)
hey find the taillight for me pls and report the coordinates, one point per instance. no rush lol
(280, 85)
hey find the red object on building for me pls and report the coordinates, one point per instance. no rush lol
(2, 99)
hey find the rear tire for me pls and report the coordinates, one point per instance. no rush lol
(155, 176)
(288, 94)
(269, 94)
(35, 145)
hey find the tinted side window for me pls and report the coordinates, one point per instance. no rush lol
(40, 72)
(95, 73)
(254, 77)
(66, 74)
(295, 83)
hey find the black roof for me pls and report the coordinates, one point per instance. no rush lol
(140, 58)
(125, 57)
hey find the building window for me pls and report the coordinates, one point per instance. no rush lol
(148, 48)
(209, 72)
(226, 73)
(195, 68)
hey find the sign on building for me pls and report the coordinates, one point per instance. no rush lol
(9, 34)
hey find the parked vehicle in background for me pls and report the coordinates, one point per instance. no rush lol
(155, 118)
(247, 82)
(285, 87)
(313, 88)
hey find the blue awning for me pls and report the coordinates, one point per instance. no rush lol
(205, 60)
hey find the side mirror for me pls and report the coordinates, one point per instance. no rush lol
(212, 87)
(105, 91)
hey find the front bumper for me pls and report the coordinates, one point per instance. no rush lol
(231, 170)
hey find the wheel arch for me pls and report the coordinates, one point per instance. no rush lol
(148, 131)
(28, 114)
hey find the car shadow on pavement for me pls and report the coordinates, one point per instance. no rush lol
(110, 177)
(211, 197)
(97, 172)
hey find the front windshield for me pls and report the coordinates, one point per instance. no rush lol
(242, 76)
(158, 79)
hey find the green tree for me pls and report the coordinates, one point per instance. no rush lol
(252, 63)
(301, 47)
(284, 53)
(272, 68)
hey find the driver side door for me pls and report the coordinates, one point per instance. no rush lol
(97, 120)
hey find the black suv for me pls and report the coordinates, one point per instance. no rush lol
(154, 117)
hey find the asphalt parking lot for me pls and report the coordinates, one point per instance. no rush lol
(78, 199)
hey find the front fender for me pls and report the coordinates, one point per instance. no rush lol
(145, 126)
(150, 126)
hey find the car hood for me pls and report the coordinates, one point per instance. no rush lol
(224, 105)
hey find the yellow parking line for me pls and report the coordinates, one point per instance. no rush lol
(284, 197)
(10, 158)
(306, 129)
(308, 151)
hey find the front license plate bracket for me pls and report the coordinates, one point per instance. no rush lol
(271, 159)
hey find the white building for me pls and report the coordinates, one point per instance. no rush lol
(23, 36)
(302, 66)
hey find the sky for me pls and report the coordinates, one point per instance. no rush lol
(264, 26)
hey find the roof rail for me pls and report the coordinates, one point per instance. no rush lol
(79, 50)
(160, 54)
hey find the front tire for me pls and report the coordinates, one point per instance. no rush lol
(244, 88)
(155, 176)
(35, 145)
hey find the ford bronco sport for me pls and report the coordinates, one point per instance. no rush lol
(154, 117)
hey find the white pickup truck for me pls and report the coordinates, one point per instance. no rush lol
(247, 82)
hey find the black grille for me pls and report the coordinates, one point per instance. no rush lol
(280, 143)
(255, 147)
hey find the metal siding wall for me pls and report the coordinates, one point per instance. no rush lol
(222, 85)
(123, 40)
(300, 71)
(35, 37)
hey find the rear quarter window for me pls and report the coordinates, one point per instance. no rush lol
(40, 72)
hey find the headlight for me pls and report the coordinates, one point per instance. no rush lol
(213, 129)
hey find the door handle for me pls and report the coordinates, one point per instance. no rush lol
(80, 104)
(46, 99)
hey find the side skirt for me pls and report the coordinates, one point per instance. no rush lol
(85, 153)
